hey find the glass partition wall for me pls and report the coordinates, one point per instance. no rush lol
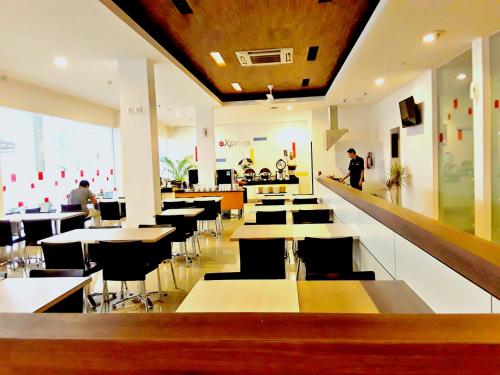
(44, 157)
(495, 134)
(456, 156)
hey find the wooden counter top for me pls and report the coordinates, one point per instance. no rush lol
(473, 257)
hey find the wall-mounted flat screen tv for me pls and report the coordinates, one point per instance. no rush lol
(410, 115)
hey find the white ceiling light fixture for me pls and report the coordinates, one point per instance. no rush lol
(236, 86)
(217, 57)
(461, 76)
(432, 36)
(178, 114)
(289, 107)
(379, 81)
(60, 61)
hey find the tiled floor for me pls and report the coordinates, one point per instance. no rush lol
(218, 255)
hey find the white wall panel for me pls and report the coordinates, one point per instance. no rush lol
(444, 290)
(495, 305)
(365, 261)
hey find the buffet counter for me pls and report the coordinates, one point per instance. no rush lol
(255, 189)
(232, 199)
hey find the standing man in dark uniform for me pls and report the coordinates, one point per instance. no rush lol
(356, 170)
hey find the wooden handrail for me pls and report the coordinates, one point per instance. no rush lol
(474, 258)
(249, 343)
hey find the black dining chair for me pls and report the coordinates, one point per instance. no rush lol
(305, 201)
(74, 303)
(70, 255)
(34, 231)
(270, 217)
(312, 217)
(327, 255)
(183, 231)
(126, 261)
(36, 210)
(71, 223)
(71, 207)
(259, 259)
(174, 204)
(210, 213)
(7, 240)
(110, 210)
(163, 249)
(273, 202)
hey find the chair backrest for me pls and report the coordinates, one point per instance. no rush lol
(311, 217)
(110, 210)
(71, 207)
(71, 304)
(123, 261)
(36, 210)
(323, 255)
(106, 227)
(360, 275)
(305, 201)
(263, 259)
(273, 202)
(210, 210)
(77, 222)
(183, 226)
(5, 233)
(68, 255)
(163, 246)
(123, 209)
(270, 217)
(35, 230)
(174, 204)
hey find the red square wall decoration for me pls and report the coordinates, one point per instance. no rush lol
(97, 172)
(63, 174)
(441, 137)
(111, 172)
(32, 185)
(4, 188)
(40, 176)
(469, 111)
(455, 103)
(13, 177)
(81, 173)
(20, 204)
(459, 134)
(46, 199)
(56, 183)
(497, 103)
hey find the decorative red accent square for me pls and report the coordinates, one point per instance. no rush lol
(114, 189)
(455, 103)
(97, 172)
(32, 185)
(469, 111)
(13, 177)
(107, 178)
(459, 134)
(46, 199)
(56, 183)
(40, 176)
(4, 188)
(93, 180)
(81, 172)
(111, 172)
(63, 174)
(196, 153)
(441, 137)
(294, 149)
(20, 204)
(497, 103)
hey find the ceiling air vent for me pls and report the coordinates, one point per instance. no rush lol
(265, 57)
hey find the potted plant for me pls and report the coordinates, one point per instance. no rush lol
(178, 169)
(396, 179)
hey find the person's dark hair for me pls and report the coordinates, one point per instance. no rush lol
(84, 183)
(351, 151)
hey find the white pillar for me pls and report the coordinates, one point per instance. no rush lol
(205, 142)
(482, 137)
(139, 141)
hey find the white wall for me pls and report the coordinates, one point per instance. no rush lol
(369, 127)
(32, 98)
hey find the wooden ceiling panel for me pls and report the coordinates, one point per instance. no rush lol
(228, 26)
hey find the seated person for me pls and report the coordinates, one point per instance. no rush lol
(82, 195)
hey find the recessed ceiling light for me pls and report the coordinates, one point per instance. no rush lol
(461, 76)
(61, 61)
(178, 114)
(218, 58)
(379, 81)
(432, 36)
(236, 86)
(289, 107)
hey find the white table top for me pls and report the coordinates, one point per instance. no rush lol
(293, 231)
(115, 234)
(242, 296)
(191, 200)
(252, 208)
(120, 200)
(42, 216)
(24, 295)
(188, 212)
(285, 196)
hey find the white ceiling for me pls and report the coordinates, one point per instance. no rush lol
(33, 32)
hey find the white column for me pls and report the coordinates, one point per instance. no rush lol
(205, 142)
(139, 141)
(482, 137)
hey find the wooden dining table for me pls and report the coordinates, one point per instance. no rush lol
(366, 297)
(293, 231)
(187, 212)
(55, 217)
